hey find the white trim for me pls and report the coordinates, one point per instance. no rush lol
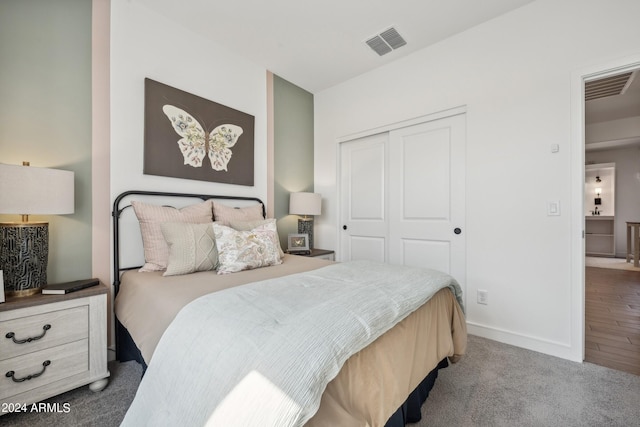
(101, 150)
(553, 348)
(404, 123)
(611, 67)
(613, 143)
(270, 147)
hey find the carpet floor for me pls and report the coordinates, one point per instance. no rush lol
(493, 385)
(86, 408)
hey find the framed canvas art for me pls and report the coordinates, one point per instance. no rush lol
(187, 136)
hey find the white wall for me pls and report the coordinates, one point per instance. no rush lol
(145, 44)
(628, 127)
(627, 198)
(514, 74)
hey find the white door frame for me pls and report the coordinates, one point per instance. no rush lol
(405, 123)
(578, 78)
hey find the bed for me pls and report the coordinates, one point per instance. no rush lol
(384, 381)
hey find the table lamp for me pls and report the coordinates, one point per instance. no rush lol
(24, 245)
(305, 204)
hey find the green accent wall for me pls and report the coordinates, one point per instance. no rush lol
(45, 113)
(293, 150)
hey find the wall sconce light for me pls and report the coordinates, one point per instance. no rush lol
(24, 245)
(598, 200)
(305, 204)
(598, 179)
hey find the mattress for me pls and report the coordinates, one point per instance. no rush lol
(147, 302)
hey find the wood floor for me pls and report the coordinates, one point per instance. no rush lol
(612, 315)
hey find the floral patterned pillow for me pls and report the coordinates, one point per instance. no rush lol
(250, 225)
(246, 250)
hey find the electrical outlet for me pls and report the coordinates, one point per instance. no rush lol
(483, 297)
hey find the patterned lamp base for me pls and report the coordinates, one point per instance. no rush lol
(305, 226)
(24, 249)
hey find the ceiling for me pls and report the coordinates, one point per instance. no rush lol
(318, 44)
(615, 107)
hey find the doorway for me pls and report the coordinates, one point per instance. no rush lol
(611, 288)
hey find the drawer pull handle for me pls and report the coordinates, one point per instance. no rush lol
(12, 335)
(11, 374)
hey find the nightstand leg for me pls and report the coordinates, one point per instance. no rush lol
(99, 385)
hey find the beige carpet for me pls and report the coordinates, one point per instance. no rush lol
(614, 263)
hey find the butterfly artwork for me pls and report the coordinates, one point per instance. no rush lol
(187, 136)
(197, 142)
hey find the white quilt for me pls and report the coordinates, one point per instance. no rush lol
(262, 354)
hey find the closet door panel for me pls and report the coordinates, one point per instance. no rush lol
(426, 195)
(364, 199)
(414, 252)
(425, 174)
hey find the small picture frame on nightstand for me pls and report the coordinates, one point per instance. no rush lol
(1, 287)
(298, 244)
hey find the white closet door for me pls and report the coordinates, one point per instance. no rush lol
(363, 199)
(402, 197)
(426, 196)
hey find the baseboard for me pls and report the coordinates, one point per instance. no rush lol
(111, 354)
(552, 348)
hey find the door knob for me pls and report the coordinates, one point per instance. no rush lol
(457, 230)
(344, 227)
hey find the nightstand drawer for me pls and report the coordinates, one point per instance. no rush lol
(64, 361)
(23, 335)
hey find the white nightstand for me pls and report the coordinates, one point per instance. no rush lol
(50, 344)
(323, 254)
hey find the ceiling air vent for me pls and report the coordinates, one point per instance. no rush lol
(614, 85)
(386, 41)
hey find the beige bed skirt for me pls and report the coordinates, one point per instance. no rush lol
(376, 381)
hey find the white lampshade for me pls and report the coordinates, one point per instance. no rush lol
(598, 191)
(26, 190)
(29, 190)
(305, 204)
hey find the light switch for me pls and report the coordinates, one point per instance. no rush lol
(555, 148)
(553, 208)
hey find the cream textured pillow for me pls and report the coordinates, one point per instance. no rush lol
(156, 251)
(192, 247)
(245, 250)
(226, 214)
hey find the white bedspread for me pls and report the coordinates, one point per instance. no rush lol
(262, 354)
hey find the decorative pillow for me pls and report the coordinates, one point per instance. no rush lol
(245, 250)
(225, 214)
(192, 247)
(250, 225)
(156, 251)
